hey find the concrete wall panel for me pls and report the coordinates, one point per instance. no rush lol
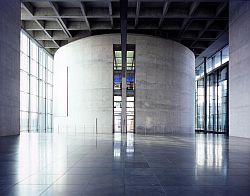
(239, 68)
(9, 67)
(164, 86)
(90, 85)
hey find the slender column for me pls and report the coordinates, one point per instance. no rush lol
(123, 16)
(217, 102)
(124, 106)
(205, 95)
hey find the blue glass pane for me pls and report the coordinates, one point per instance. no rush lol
(130, 78)
(117, 78)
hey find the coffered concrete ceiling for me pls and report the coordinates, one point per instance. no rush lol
(196, 24)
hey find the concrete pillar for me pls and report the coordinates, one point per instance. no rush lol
(239, 68)
(9, 67)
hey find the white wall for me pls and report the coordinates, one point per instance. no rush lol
(164, 85)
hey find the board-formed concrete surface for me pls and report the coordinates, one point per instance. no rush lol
(239, 69)
(10, 67)
(88, 94)
(164, 85)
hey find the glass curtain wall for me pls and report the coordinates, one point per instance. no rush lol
(130, 91)
(212, 102)
(130, 79)
(36, 86)
(222, 100)
(216, 99)
(117, 118)
(199, 121)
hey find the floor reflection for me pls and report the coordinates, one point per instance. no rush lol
(124, 164)
(212, 152)
(123, 139)
(117, 145)
(130, 148)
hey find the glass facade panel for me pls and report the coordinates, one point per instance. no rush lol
(199, 109)
(49, 122)
(50, 64)
(33, 103)
(33, 121)
(209, 64)
(41, 122)
(130, 99)
(25, 41)
(24, 62)
(225, 54)
(217, 60)
(49, 79)
(24, 101)
(222, 99)
(49, 108)
(33, 50)
(212, 102)
(216, 99)
(130, 89)
(117, 79)
(50, 88)
(199, 71)
(24, 117)
(36, 86)
(34, 67)
(33, 85)
(24, 81)
(117, 113)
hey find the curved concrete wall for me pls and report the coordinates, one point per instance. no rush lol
(164, 85)
(88, 94)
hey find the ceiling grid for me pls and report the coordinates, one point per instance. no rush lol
(195, 24)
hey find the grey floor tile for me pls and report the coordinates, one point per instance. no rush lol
(104, 190)
(40, 179)
(149, 180)
(144, 191)
(136, 165)
(64, 190)
(69, 179)
(103, 165)
(25, 190)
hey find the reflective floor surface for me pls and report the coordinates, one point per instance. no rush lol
(58, 164)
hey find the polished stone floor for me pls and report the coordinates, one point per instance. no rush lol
(81, 164)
